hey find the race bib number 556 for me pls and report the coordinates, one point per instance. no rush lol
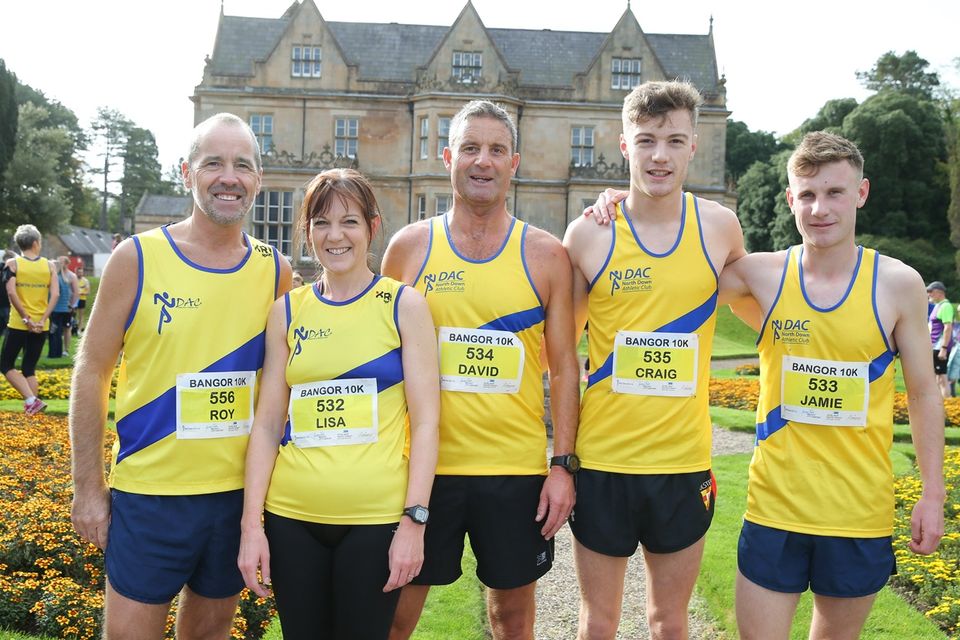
(214, 405)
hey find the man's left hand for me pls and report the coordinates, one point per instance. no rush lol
(556, 501)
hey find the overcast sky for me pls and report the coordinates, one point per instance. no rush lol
(782, 60)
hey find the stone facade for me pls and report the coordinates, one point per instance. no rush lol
(374, 96)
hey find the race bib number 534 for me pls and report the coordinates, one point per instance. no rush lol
(480, 360)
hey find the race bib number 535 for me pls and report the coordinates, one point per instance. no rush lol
(655, 364)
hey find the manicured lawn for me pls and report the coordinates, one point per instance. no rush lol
(732, 338)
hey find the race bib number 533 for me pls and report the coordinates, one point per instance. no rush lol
(825, 392)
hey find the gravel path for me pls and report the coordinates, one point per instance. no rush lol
(558, 595)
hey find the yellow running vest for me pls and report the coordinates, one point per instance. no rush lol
(651, 320)
(489, 320)
(825, 416)
(342, 459)
(33, 289)
(193, 346)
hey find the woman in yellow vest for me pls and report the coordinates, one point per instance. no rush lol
(344, 447)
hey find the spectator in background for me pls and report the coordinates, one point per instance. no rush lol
(941, 322)
(61, 321)
(83, 286)
(297, 279)
(5, 274)
(33, 290)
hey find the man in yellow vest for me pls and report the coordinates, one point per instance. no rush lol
(496, 288)
(647, 284)
(33, 291)
(187, 306)
(833, 316)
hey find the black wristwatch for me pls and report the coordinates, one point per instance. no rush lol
(570, 462)
(417, 513)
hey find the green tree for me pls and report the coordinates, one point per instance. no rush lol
(110, 129)
(762, 208)
(903, 141)
(33, 191)
(9, 114)
(70, 173)
(744, 147)
(141, 170)
(906, 74)
(829, 118)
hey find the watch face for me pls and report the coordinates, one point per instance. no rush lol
(573, 463)
(418, 514)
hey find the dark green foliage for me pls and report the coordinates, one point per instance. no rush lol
(9, 114)
(905, 74)
(829, 118)
(764, 215)
(902, 139)
(744, 147)
(69, 162)
(931, 262)
(32, 190)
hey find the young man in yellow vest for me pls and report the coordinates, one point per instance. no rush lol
(187, 307)
(647, 284)
(833, 316)
(496, 287)
(33, 290)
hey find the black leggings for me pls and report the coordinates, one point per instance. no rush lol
(32, 345)
(328, 579)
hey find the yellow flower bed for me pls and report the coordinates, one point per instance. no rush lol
(54, 385)
(51, 582)
(934, 579)
(742, 393)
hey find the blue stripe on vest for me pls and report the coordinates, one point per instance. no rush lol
(774, 421)
(387, 369)
(517, 322)
(157, 419)
(687, 323)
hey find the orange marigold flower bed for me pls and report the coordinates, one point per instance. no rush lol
(51, 582)
(742, 393)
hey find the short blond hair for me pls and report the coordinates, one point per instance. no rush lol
(819, 148)
(656, 99)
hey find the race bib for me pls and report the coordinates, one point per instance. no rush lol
(334, 412)
(214, 405)
(825, 392)
(655, 364)
(480, 360)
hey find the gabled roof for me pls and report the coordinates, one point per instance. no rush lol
(390, 52)
(688, 57)
(83, 242)
(393, 52)
(545, 57)
(154, 205)
(243, 41)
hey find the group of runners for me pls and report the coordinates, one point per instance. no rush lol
(392, 416)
